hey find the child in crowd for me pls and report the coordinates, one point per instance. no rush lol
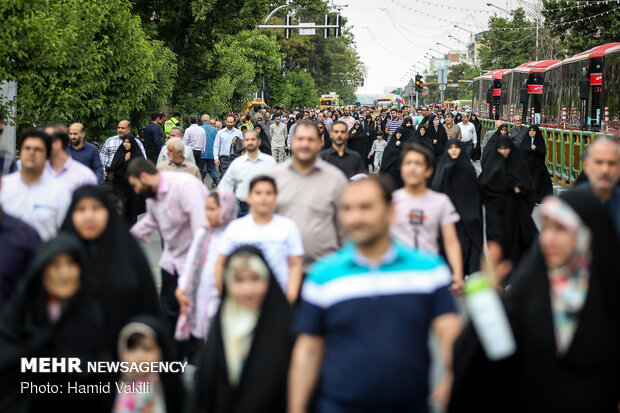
(378, 147)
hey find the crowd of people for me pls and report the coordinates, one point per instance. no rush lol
(307, 257)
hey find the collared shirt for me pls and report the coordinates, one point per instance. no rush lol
(42, 205)
(188, 154)
(18, 242)
(178, 212)
(223, 142)
(393, 125)
(242, 170)
(291, 132)
(184, 166)
(517, 134)
(311, 200)
(346, 300)
(453, 132)
(468, 132)
(195, 137)
(89, 156)
(151, 136)
(109, 148)
(349, 120)
(210, 131)
(278, 135)
(350, 163)
(72, 175)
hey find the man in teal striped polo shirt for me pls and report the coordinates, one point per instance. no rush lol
(365, 317)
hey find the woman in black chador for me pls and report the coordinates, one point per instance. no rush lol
(122, 277)
(358, 140)
(438, 137)
(455, 176)
(390, 165)
(244, 366)
(533, 150)
(564, 309)
(508, 198)
(53, 314)
(133, 204)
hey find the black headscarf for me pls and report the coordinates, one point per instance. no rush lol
(358, 140)
(265, 143)
(457, 179)
(440, 136)
(424, 140)
(133, 204)
(508, 214)
(536, 378)
(408, 131)
(27, 331)
(122, 276)
(327, 140)
(535, 159)
(458, 118)
(491, 145)
(262, 386)
(118, 167)
(173, 390)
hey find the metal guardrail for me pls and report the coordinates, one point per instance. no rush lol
(565, 150)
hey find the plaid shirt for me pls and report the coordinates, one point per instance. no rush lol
(109, 149)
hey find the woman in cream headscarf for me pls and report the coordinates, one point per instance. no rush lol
(244, 365)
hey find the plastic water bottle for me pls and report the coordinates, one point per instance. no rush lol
(489, 318)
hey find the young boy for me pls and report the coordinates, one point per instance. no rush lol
(420, 213)
(378, 147)
(275, 235)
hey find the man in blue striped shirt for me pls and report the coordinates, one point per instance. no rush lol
(393, 123)
(365, 317)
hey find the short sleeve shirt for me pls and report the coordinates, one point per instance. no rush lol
(278, 240)
(375, 322)
(418, 219)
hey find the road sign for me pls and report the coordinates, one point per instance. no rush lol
(442, 86)
(441, 63)
(307, 32)
(442, 76)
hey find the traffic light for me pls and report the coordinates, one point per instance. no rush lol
(418, 83)
(287, 32)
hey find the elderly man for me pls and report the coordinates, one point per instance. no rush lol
(518, 132)
(490, 132)
(196, 138)
(188, 154)
(602, 167)
(176, 161)
(469, 138)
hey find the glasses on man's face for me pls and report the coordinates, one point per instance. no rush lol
(320, 127)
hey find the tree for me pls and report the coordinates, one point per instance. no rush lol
(578, 36)
(303, 92)
(501, 48)
(81, 61)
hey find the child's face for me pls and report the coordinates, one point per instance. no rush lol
(248, 288)
(146, 350)
(454, 151)
(61, 277)
(380, 137)
(414, 169)
(262, 198)
(213, 212)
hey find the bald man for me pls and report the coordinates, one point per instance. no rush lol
(84, 152)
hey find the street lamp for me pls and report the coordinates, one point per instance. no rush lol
(467, 30)
(443, 45)
(460, 41)
(435, 50)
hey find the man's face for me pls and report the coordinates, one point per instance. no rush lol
(230, 122)
(277, 120)
(250, 141)
(449, 119)
(465, 119)
(123, 128)
(212, 122)
(339, 134)
(320, 117)
(394, 114)
(347, 111)
(141, 187)
(363, 212)
(306, 144)
(414, 169)
(33, 155)
(76, 136)
(602, 166)
(175, 133)
(306, 115)
(518, 121)
(174, 155)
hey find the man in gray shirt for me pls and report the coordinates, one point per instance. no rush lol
(490, 133)
(309, 192)
(518, 132)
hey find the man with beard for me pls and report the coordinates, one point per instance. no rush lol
(348, 161)
(84, 152)
(175, 206)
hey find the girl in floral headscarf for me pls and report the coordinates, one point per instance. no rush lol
(197, 294)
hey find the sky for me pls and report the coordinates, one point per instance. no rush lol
(392, 35)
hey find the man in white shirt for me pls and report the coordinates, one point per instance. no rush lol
(62, 167)
(188, 154)
(225, 140)
(469, 138)
(196, 138)
(275, 235)
(278, 138)
(244, 168)
(31, 194)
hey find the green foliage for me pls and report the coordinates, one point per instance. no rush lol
(580, 36)
(508, 48)
(80, 61)
(302, 89)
